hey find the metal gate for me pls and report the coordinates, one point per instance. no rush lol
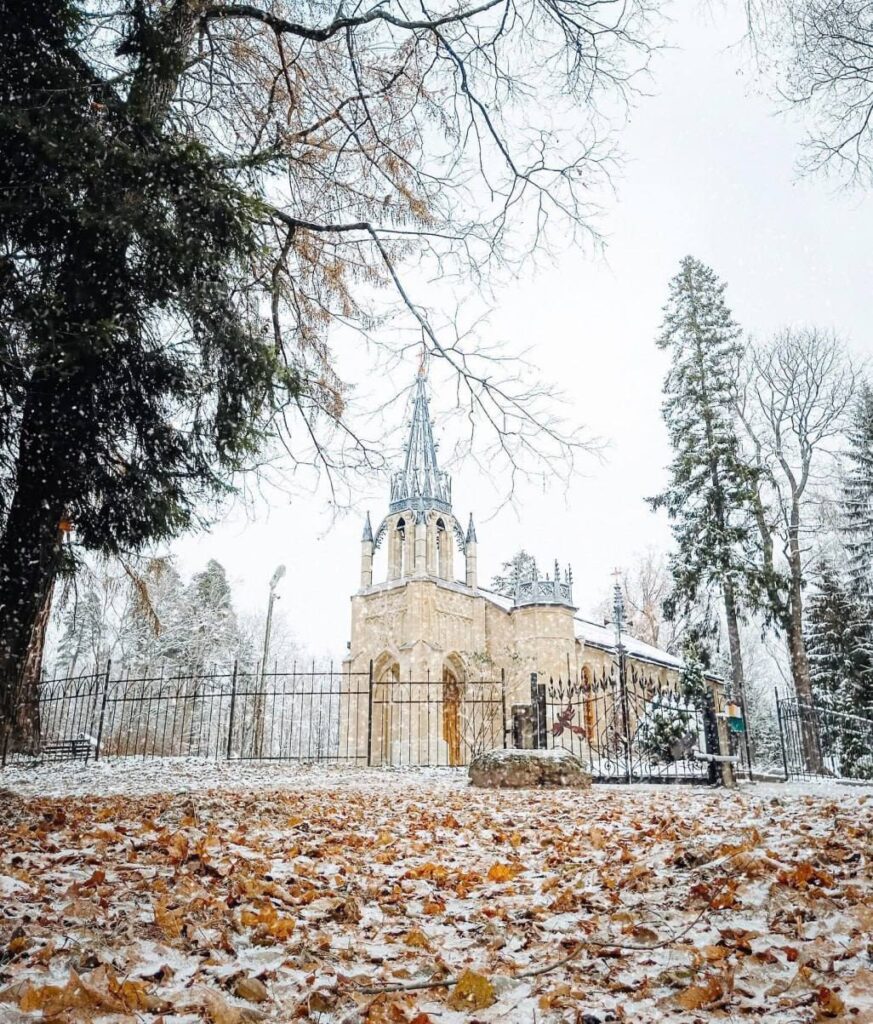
(630, 728)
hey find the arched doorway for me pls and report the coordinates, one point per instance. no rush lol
(453, 697)
(386, 675)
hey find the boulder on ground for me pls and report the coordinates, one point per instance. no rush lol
(521, 769)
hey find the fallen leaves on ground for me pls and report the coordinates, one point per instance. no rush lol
(300, 904)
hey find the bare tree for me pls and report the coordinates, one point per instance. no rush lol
(820, 54)
(312, 151)
(645, 585)
(792, 403)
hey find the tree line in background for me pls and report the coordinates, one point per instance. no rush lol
(150, 621)
(770, 495)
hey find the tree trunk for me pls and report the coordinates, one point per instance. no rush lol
(797, 651)
(30, 552)
(738, 678)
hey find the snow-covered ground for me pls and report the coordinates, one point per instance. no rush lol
(132, 776)
(192, 891)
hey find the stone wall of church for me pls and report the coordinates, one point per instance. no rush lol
(544, 642)
(422, 630)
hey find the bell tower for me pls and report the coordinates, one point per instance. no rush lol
(420, 534)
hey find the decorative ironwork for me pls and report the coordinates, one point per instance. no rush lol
(633, 727)
(627, 728)
(545, 591)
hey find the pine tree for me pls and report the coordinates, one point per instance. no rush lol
(839, 640)
(857, 499)
(213, 633)
(711, 489)
(521, 568)
(697, 661)
(133, 382)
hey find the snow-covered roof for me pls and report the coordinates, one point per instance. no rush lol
(501, 600)
(596, 635)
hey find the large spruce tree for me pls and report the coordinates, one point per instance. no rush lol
(711, 489)
(133, 381)
(857, 499)
(839, 643)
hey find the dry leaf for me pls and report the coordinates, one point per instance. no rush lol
(177, 848)
(829, 1003)
(252, 989)
(504, 872)
(219, 1011)
(696, 996)
(416, 938)
(471, 992)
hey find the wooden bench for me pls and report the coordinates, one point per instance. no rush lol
(66, 750)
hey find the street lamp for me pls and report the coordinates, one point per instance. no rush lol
(274, 582)
(260, 699)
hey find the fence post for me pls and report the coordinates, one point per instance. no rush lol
(538, 707)
(625, 712)
(103, 701)
(781, 735)
(370, 718)
(232, 709)
(503, 702)
(746, 736)
(717, 738)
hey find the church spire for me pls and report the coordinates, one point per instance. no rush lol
(421, 483)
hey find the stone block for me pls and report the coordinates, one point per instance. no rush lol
(528, 769)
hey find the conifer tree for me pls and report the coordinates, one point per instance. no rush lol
(521, 568)
(857, 500)
(213, 634)
(839, 642)
(711, 489)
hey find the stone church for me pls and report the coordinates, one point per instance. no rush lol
(423, 622)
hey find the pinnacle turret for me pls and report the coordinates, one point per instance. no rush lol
(368, 530)
(471, 532)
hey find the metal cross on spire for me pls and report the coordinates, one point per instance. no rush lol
(421, 483)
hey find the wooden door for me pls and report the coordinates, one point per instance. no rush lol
(452, 717)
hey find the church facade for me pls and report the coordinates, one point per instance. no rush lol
(431, 635)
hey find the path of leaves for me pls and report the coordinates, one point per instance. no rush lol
(282, 906)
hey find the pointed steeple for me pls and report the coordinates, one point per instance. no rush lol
(421, 483)
(368, 530)
(471, 532)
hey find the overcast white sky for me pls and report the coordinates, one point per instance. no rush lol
(710, 170)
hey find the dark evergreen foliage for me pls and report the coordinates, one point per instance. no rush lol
(857, 499)
(134, 379)
(712, 490)
(839, 641)
(712, 487)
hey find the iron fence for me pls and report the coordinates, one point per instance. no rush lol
(626, 727)
(817, 742)
(631, 727)
(306, 715)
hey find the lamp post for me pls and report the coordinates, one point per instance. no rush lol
(260, 698)
(618, 621)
